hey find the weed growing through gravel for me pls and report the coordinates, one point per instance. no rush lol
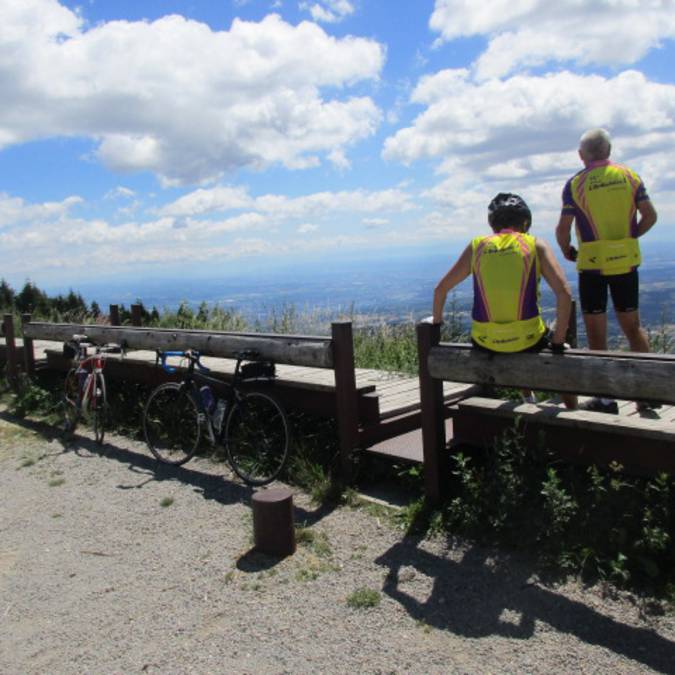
(55, 482)
(364, 598)
(318, 554)
(315, 540)
(166, 501)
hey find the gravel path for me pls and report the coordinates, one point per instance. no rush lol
(98, 576)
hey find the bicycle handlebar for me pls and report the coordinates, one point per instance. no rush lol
(192, 355)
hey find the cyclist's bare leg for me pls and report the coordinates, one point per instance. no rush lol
(635, 334)
(596, 331)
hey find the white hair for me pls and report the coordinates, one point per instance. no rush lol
(595, 144)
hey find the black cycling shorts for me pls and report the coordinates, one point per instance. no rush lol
(593, 292)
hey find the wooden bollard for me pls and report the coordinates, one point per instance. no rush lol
(273, 528)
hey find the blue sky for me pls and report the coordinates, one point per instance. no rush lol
(184, 137)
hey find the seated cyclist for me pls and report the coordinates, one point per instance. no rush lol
(506, 268)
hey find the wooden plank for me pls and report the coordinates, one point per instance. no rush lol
(402, 388)
(633, 376)
(301, 351)
(454, 394)
(575, 436)
(384, 383)
(405, 447)
(578, 419)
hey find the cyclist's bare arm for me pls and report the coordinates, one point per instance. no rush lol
(563, 234)
(648, 216)
(457, 273)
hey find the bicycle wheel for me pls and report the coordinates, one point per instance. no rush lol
(257, 438)
(98, 408)
(171, 424)
(71, 404)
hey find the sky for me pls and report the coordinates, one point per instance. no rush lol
(179, 138)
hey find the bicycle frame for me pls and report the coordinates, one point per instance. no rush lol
(180, 412)
(193, 377)
(95, 364)
(92, 366)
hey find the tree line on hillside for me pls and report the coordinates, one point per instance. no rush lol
(70, 307)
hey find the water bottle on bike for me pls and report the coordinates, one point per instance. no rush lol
(208, 399)
(219, 414)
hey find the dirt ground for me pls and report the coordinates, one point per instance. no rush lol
(111, 564)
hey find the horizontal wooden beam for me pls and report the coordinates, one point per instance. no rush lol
(623, 375)
(294, 350)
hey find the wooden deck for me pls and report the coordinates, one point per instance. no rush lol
(389, 403)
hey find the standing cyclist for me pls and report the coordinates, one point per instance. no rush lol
(603, 200)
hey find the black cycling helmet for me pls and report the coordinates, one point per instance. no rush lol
(509, 210)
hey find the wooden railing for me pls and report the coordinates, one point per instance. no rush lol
(335, 353)
(623, 375)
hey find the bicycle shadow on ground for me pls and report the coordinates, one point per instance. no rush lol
(211, 485)
(487, 593)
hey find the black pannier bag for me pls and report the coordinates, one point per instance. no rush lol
(69, 350)
(257, 370)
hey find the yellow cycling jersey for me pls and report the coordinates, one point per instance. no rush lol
(506, 315)
(603, 199)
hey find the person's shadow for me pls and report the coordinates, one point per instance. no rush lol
(490, 594)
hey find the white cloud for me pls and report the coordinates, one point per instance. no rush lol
(523, 33)
(218, 199)
(307, 228)
(15, 211)
(222, 198)
(120, 192)
(179, 99)
(328, 11)
(498, 121)
(374, 223)
(338, 158)
(205, 223)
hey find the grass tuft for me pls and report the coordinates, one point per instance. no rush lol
(364, 598)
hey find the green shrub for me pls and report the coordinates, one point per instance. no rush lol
(595, 522)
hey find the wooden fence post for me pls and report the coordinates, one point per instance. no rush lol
(114, 315)
(28, 352)
(12, 372)
(571, 336)
(345, 395)
(436, 461)
(136, 315)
